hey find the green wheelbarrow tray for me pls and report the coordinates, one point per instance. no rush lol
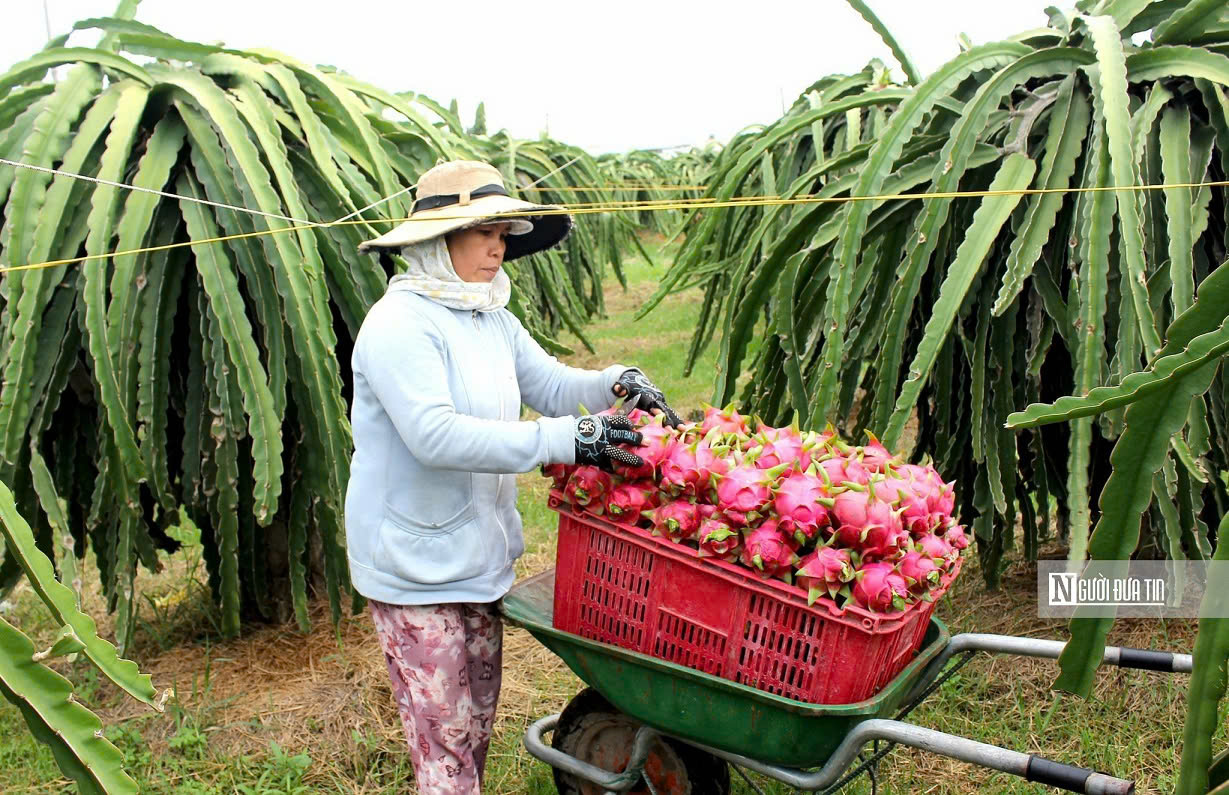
(707, 709)
(807, 746)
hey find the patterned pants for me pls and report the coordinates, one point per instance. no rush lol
(445, 665)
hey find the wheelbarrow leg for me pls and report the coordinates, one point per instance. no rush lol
(1027, 766)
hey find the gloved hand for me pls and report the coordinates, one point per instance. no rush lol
(596, 437)
(634, 383)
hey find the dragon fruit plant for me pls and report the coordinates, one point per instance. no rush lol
(851, 524)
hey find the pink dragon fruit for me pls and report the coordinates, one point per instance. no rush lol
(718, 539)
(867, 525)
(882, 541)
(712, 462)
(678, 520)
(769, 551)
(824, 571)
(879, 588)
(876, 457)
(785, 448)
(745, 491)
(797, 502)
(680, 471)
(940, 496)
(919, 571)
(726, 420)
(909, 496)
(587, 487)
(559, 473)
(955, 536)
(837, 470)
(655, 446)
(627, 501)
(937, 549)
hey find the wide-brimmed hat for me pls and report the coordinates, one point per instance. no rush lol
(464, 193)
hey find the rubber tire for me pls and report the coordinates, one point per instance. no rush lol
(707, 774)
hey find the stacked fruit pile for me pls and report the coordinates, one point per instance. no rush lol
(842, 522)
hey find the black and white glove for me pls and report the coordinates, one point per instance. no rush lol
(633, 384)
(596, 437)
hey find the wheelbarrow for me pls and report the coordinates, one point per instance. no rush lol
(646, 725)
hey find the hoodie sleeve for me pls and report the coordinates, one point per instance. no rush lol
(401, 360)
(554, 389)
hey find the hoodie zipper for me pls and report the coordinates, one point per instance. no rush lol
(499, 479)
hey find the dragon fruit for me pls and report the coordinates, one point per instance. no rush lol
(914, 508)
(876, 457)
(797, 502)
(587, 486)
(727, 421)
(718, 539)
(745, 491)
(955, 536)
(937, 549)
(837, 470)
(867, 525)
(711, 461)
(824, 571)
(655, 446)
(879, 588)
(627, 501)
(559, 473)
(785, 448)
(769, 550)
(678, 520)
(927, 482)
(919, 571)
(680, 471)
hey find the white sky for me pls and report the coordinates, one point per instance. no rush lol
(606, 76)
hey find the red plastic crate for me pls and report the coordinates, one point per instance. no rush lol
(619, 584)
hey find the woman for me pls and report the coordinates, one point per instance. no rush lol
(441, 369)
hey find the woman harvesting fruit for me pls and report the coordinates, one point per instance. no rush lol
(441, 369)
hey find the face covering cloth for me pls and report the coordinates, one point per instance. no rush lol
(431, 275)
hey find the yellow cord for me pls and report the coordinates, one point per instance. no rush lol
(588, 208)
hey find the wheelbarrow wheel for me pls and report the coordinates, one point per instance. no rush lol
(593, 731)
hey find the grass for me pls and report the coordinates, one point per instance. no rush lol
(279, 712)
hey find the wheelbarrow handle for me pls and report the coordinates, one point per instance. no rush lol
(1028, 766)
(1121, 656)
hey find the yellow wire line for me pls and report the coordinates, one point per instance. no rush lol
(581, 209)
(615, 186)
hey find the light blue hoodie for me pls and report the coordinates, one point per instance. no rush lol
(431, 504)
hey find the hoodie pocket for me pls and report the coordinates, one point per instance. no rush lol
(440, 501)
(454, 552)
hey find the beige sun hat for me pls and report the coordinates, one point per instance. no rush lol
(459, 194)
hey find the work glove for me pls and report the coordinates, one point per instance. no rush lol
(634, 384)
(596, 437)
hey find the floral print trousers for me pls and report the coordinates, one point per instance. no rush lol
(445, 664)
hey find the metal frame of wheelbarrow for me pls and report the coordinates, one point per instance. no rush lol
(894, 731)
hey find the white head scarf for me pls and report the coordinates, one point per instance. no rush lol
(431, 275)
